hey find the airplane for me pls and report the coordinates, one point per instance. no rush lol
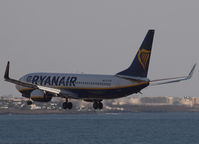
(93, 88)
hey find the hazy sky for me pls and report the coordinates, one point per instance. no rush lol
(100, 37)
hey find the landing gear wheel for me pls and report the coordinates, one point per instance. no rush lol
(100, 105)
(67, 105)
(64, 105)
(29, 102)
(97, 105)
(70, 105)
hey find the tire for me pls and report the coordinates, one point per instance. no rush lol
(69, 105)
(29, 102)
(64, 105)
(100, 105)
(95, 105)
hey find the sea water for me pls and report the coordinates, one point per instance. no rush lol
(110, 128)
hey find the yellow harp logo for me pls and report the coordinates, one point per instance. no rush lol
(143, 57)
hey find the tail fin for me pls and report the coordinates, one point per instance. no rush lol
(140, 64)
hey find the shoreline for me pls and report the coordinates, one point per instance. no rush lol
(125, 109)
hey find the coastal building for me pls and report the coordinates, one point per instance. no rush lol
(156, 100)
(188, 101)
(135, 101)
(195, 101)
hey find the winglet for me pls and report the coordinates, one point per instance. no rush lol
(6, 75)
(191, 72)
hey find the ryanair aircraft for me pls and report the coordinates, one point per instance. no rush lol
(92, 88)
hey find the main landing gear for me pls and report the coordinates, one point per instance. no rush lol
(67, 105)
(97, 105)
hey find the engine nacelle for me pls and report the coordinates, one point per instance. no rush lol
(40, 96)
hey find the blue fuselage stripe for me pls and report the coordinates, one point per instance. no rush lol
(99, 93)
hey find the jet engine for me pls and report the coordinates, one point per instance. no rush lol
(40, 96)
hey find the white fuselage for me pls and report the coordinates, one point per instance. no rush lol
(85, 85)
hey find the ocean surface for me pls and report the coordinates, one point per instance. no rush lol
(109, 128)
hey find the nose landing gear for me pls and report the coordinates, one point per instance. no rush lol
(29, 102)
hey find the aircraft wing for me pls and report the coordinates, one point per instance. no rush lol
(172, 80)
(56, 91)
(62, 93)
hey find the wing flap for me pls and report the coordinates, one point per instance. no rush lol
(57, 91)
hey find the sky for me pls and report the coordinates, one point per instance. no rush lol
(100, 37)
